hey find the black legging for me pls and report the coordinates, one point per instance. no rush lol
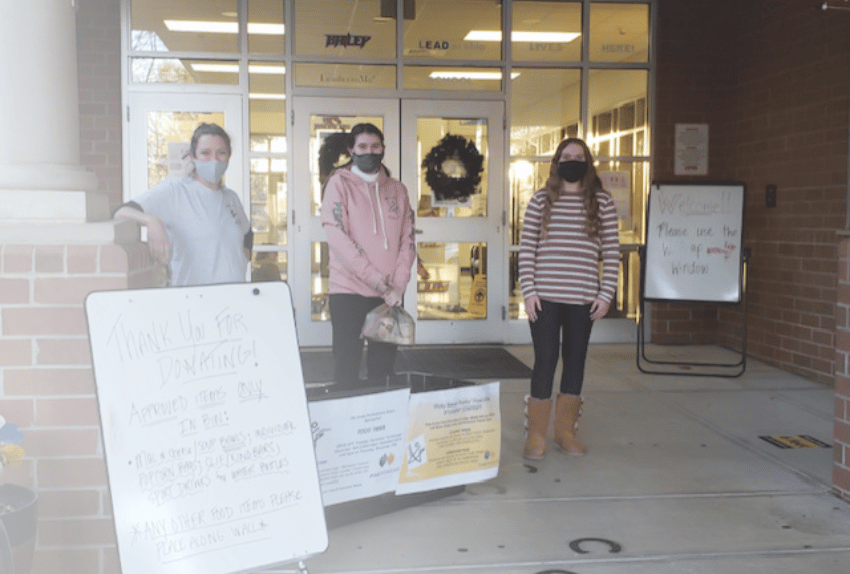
(348, 311)
(546, 336)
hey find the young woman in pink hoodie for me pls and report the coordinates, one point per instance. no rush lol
(367, 217)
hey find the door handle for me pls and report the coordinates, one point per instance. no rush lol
(417, 231)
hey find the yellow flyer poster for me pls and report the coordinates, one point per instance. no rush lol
(453, 438)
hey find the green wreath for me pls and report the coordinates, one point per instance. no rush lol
(463, 182)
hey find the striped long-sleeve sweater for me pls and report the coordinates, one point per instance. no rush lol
(564, 267)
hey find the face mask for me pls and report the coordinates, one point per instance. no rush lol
(572, 170)
(367, 162)
(211, 170)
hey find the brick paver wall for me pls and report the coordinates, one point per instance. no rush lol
(772, 80)
(841, 446)
(48, 391)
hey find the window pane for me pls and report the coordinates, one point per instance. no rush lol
(345, 76)
(452, 144)
(619, 32)
(319, 273)
(345, 28)
(628, 183)
(174, 71)
(452, 30)
(267, 103)
(184, 26)
(265, 27)
(269, 266)
(546, 31)
(526, 177)
(620, 133)
(453, 79)
(456, 284)
(616, 106)
(541, 118)
(269, 201)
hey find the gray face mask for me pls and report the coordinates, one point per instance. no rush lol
(367, 162)
(211, 170)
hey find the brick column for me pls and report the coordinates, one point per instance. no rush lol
(841, 466)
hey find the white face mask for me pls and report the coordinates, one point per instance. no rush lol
(211, 170)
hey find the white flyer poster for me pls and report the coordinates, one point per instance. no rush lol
(691, 153)
(453, 438)
(619, 185)
(359, 443)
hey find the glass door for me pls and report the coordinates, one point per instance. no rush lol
(452, 164)
(317, 150)
(160, 128)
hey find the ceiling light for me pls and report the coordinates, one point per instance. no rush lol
(218, 27)
(234, 68)
(520, 36)
(216, 68)
(261, 96)
(265, 29)
(461, 75)
(266, 69)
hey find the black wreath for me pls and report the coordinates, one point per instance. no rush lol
(444, 186)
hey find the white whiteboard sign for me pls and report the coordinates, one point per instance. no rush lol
(205, 428)
(694, 242)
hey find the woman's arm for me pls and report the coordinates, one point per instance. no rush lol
(407, 247)
(610, 252)
(158, 242)
(528, 258)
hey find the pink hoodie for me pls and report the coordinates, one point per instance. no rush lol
(369, 227)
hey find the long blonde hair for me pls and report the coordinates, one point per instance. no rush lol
(589, 185)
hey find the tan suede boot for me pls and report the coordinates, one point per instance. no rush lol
(536, 427)
(567, 413)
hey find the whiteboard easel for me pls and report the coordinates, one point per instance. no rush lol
(694, 253)
(205, 428)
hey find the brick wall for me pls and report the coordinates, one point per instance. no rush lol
(692, 49)
(841, 445)
(772, 80)
(99, 71)
(48, 391)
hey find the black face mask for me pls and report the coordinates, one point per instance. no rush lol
(367, 162)
(572, 170)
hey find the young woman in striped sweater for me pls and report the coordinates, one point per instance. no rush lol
(569, 226)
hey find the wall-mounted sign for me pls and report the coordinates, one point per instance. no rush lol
(343, 79)
(618, 48)
(546, 47)
(425, 46)
(345, 41)
(691, 151)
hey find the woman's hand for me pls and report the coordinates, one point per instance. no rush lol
(393, 297)
(532, 306)
(598, 309)
(158, 242)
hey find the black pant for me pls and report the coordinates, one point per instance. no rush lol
(348, 312)
(576, 323)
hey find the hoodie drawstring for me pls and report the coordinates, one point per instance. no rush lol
(380, 212)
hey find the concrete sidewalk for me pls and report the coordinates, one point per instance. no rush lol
(677, 480)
